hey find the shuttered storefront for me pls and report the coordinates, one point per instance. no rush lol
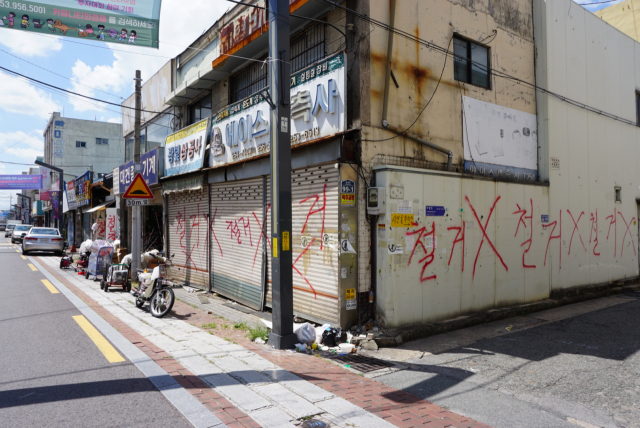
(238, 240)
(187, 233)
(315, 243)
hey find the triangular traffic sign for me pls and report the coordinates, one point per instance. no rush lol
(138, 189)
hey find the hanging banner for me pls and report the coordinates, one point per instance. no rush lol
(45, 196)
(112, 224)
(46, 178)
(318, 111)
(83, 189)
(21, 182)
(71, 195)
(130, 22)
(184, 150)
(55, 203)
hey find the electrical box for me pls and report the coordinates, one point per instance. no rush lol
(376, 201)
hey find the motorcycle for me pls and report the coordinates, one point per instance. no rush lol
(83, 261)
(66, 261)
(154, 287)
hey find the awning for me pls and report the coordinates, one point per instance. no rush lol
(99, 207)
(184, 184)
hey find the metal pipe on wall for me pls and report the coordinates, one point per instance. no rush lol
(429, 144)
(387, 76)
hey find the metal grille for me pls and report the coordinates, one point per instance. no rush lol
(362, 363)
(308, 46)
(411, 162)
(314, 243)
(248, 81)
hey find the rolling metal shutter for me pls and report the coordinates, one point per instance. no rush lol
(187, 232)
(315, 243)
(238, 241)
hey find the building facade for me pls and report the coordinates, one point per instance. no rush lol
(423, 180)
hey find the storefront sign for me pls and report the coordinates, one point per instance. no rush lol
(113, 21)
(152, 167)
(244, 28)
(184, 150)
(45, 196)
(318, 110)
(71, 195)
(112, 224)
(21, 182)
(83, 189)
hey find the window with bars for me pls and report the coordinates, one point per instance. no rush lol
(307, 47)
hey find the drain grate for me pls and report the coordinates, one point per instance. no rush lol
(362, 363)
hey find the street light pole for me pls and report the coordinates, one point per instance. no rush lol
(281, 336)
(60, 171)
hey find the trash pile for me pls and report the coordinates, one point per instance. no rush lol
(325, 338)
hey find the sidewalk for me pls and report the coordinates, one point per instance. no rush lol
(249, 385)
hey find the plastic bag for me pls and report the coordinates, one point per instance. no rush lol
(306, 333)
(329, 337)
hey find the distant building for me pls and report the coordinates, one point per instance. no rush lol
(78, 145)
(623, 17)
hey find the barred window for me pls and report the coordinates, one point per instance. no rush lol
(308, 46)
(248, 81)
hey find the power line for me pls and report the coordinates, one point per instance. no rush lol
(60, 75)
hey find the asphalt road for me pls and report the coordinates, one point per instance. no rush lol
(577, 365)
(53, 374)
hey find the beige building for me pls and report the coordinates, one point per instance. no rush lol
(625, 16)
(475, 207)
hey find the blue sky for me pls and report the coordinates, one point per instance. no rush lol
(101, 70)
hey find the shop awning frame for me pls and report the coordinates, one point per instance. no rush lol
(100, 207)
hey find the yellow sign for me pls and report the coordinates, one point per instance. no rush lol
(286, 245)
(275, 247)
(138, 189)
(196, 127)
(347, 199)
(350, 294)
(401, 220)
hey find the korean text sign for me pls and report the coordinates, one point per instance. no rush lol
(21, 182)
(71, 195)
(184, 150)
(151, 163)
(130, 22)
(83, 189)
(318, 110)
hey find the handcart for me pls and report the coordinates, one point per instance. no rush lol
(99, 261)
(117, 275)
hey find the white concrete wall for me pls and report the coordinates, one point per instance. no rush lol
(425, 284)
(582, 57)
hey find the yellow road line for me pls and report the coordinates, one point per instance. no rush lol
(33, 268)
(50, 286)
(103, 345)
(23, 258)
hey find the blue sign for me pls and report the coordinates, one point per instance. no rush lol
(348, 187)
(21, 182)
(57, 133)
(501, 172)
(151, 163)
(544, 218)
(433, 211)
(59, 123)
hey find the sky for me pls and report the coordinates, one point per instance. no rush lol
(94, 68)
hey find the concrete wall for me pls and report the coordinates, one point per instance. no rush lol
(474, 257)
(417, 69)
(586, 59)
(623, 16)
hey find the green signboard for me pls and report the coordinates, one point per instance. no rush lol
(131, 22)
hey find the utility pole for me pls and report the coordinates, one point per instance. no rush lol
(281, 336)
(135, 211)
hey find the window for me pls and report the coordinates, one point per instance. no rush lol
(200, 109)
(308, 46)
(81, 144)
(248, 81)
(471, 63)
(617, 193)
(102, 141)
(158, 131)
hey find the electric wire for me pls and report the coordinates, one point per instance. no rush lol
(493, 72)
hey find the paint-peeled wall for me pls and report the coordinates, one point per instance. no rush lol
(588, 158)
(449, 245)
